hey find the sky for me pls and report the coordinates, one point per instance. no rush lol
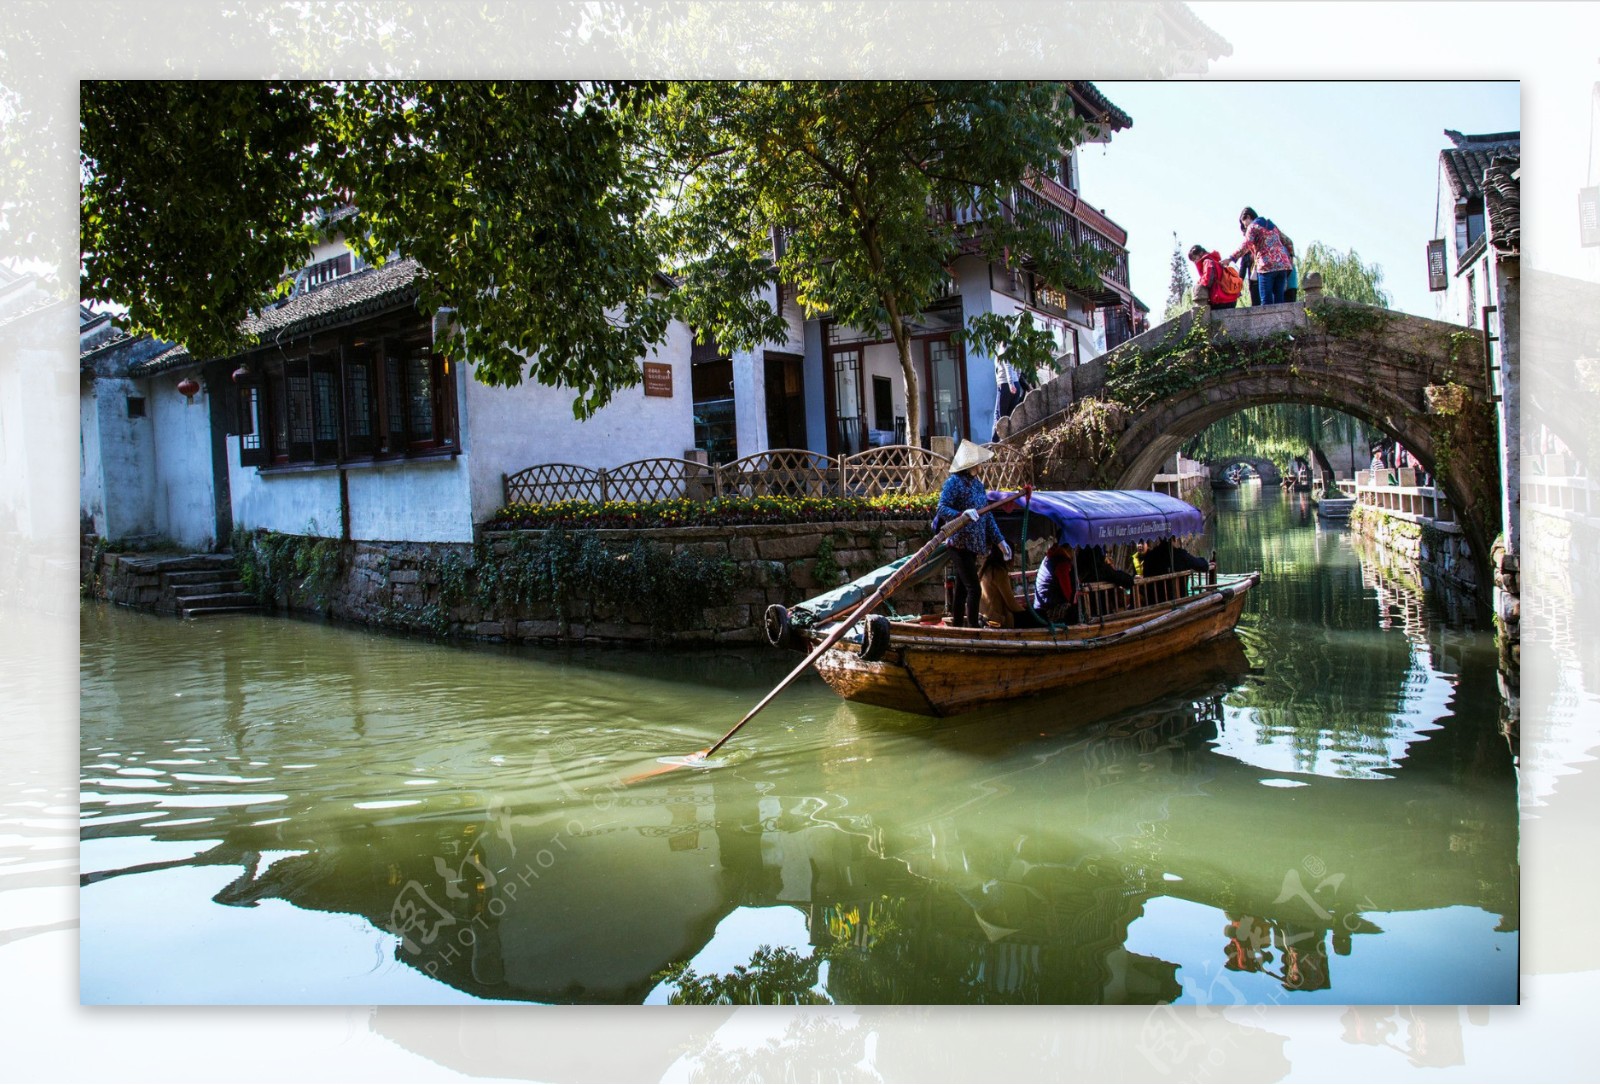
(1353, 165)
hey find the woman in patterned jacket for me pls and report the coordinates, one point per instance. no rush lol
(1272, 253)
(963, 495)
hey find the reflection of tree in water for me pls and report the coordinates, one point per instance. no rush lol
(774, 977)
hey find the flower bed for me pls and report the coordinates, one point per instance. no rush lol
(717, 512)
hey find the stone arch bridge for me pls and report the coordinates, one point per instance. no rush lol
(1112, 422)
(1266, 469)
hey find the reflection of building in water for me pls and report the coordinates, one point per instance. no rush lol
(1010, 873)
(1424, 612)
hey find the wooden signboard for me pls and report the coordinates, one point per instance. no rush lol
(1438, 275)
(657, 379)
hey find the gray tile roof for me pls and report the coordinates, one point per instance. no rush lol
(1100, 107)
(117, 336)
(1465, 162)
(1502, 194)
(171, 358)
(350, 297)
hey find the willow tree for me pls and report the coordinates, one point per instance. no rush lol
(1344, 275)
(860, 196)
(526, 204)
(1279, 432)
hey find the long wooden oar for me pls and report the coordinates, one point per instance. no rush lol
(884, 591)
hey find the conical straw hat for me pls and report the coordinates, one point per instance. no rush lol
(969, 455)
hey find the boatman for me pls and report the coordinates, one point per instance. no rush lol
(963, 495)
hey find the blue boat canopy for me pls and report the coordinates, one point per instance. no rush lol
(1108, 517)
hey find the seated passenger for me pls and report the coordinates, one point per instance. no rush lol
(1092, 565)
(999, 605)
(1153, 559)
(1055, 587)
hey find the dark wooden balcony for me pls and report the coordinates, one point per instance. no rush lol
(1072, 222)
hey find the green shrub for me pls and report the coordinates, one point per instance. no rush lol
(272, 564)
(718, 512)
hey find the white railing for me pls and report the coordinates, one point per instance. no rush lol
(1396, 492)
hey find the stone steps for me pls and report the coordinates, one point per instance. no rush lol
(205, 585)
(214, 586)
(190, 577)
(189, 603)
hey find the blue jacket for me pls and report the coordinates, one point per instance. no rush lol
(958, 495)
(1052, 591)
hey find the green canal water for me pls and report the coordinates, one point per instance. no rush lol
(1323, 809)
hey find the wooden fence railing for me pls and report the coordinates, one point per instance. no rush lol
(780, 472)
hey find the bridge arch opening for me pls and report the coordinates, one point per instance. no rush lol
(1153, 439)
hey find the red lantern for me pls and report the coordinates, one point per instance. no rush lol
(242, 374)
(188, 387)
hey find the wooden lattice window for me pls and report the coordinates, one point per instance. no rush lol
(349, 402)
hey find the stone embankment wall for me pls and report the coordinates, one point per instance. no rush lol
(1434, 553)
(434, 587)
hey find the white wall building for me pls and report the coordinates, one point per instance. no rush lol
(146, 471)
(347, 421)
(1464, 281)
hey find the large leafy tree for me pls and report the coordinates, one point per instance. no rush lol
(860, 195)
(525, 202)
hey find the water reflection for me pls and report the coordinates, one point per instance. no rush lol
(1079, 848)
(1320, 808)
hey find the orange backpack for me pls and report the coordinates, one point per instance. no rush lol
(1230, 282)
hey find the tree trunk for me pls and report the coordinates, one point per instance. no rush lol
(908, 369)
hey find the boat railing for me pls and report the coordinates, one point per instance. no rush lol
(1101, 598)
(1097, 598)
(1165, 587)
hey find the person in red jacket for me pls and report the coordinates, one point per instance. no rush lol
(1208, 267)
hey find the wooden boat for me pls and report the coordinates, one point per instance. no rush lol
(925, 666)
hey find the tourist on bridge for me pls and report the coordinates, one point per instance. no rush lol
(1271, 253)
(1247, 272)
(1222, 284)
(962, 496)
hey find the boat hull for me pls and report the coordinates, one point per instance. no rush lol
(937, 670)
